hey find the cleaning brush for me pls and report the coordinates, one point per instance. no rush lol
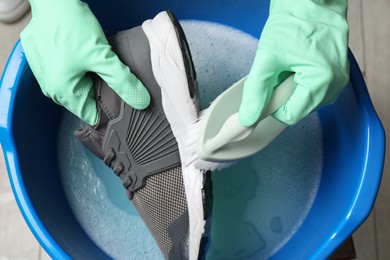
(217, 140)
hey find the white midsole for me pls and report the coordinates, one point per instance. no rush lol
(169, 71)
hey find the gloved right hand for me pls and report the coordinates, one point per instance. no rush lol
(62, 43)
(305, 37)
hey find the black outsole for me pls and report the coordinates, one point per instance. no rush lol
(188, 63)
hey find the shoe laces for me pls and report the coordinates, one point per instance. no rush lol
(117, 167)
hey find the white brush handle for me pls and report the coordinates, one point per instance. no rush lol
(232, 131)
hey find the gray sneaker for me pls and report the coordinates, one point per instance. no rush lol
(144, 147)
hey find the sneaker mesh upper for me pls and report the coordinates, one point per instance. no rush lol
(163, 207)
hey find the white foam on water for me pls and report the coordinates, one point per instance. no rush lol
(222, 55)
(258, 205)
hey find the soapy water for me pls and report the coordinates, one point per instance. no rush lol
(222, 55)
(258, 204)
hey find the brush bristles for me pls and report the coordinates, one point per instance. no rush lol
(191, 156)
(191, 138)
(212, 166)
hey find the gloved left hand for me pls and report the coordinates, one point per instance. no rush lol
(62, 43)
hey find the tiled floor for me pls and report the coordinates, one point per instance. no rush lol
(369, 40)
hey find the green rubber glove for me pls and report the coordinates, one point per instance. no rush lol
(62, 43)
(305, 37)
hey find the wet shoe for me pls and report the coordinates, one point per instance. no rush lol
(144, 147)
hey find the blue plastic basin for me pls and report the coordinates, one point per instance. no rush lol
(354, 142)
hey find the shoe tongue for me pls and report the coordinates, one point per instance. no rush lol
(108, 105)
